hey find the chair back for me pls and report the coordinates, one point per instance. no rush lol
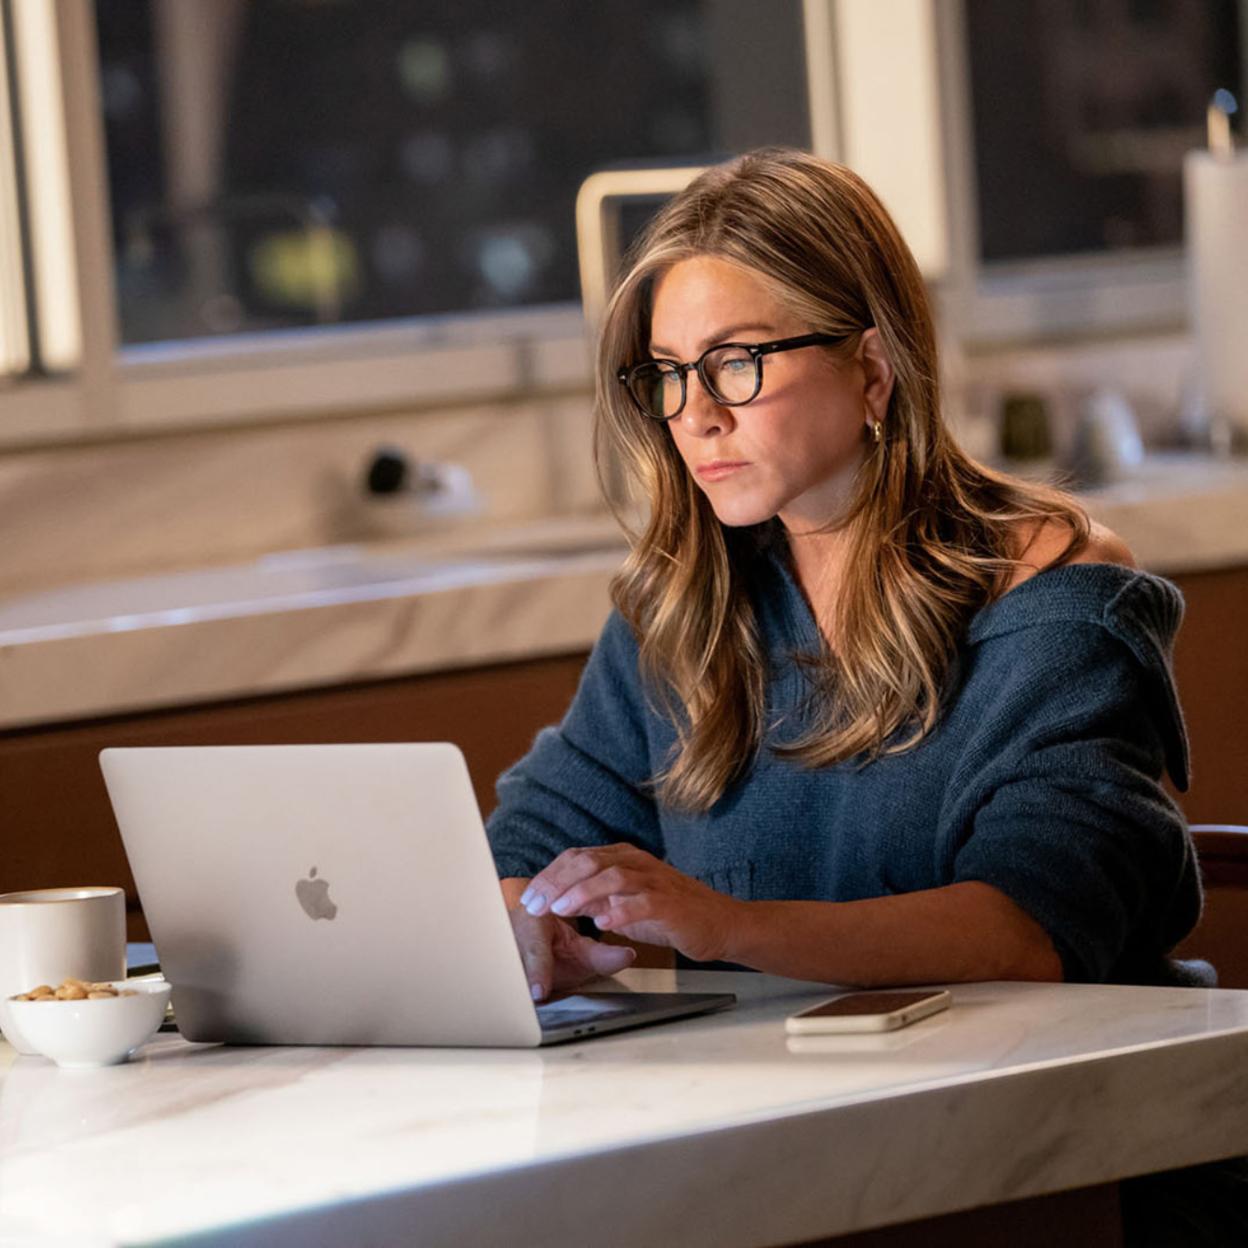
(1221, 936)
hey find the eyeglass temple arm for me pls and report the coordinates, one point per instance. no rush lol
(791, 344)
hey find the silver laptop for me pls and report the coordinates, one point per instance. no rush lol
(338, 894)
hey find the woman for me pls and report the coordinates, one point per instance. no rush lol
(866, 712)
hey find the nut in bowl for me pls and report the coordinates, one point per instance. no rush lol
(81, 1026)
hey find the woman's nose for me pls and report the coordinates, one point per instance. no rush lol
(703, 414)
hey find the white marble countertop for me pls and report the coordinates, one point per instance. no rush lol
(1179, 512)
(716, 1131)
(335, 615)
(292, 621)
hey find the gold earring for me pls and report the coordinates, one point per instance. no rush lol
(877, 432)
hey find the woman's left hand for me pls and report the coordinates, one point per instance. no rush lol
(633, 893)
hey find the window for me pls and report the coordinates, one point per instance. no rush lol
(1069, 120)
(285, 163)
(320, 205)
(222, 210)
(1082, 112)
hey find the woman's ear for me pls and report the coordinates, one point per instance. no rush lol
(877, 376)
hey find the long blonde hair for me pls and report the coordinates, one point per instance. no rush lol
(931, 534)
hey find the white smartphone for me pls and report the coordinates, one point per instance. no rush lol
(868, 1011)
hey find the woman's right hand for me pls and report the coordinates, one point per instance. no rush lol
(557, 958)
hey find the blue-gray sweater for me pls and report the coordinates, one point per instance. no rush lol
(1041, 779)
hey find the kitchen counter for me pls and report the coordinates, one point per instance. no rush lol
(715, 1131)
(336, 615)
(1179, 512)
(299, 620)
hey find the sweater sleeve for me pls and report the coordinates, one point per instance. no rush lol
(1058, 800)
(584, 782)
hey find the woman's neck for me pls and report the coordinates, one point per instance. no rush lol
(819, 561)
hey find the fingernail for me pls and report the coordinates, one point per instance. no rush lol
(536, 990)
(535, 903)
(602, 921)
(561, 906)
(524, 896)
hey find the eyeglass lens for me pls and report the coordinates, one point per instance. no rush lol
(729, 373)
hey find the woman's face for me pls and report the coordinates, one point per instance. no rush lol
(793, 451)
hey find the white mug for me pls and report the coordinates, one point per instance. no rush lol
(50, 934)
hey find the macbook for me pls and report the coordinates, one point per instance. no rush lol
(338, 894)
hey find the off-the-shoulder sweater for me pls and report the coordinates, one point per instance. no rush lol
(1042, 777)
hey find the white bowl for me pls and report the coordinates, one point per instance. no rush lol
(80, 1035)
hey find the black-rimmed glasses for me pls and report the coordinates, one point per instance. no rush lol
(731, 372)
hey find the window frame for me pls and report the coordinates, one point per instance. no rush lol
(50, 408)
(256, 378)
(471, 357)
(999, 303)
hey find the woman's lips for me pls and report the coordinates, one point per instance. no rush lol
(717, 469)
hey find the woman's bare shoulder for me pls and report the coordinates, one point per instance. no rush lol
(1041, 544)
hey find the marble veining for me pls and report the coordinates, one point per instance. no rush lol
(302, 627)
(344, 575)
(1019, 1089)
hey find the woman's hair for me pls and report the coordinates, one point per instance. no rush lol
(931, 535)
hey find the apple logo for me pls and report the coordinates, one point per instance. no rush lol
(313, 895)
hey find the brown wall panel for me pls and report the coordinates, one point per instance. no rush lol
(1211, 668)
(58, 827)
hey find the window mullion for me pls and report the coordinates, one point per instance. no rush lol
(94, 290)
(15, 343)
(45, 168)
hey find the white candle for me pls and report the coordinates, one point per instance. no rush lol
(1215, 191)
